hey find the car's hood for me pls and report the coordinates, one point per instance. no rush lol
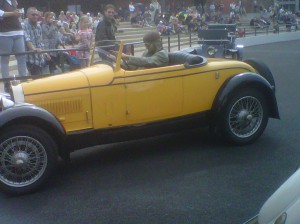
(69, 81)
(66, 81)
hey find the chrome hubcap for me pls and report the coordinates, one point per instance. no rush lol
(20, 159)
(245, 117)
(23, 161)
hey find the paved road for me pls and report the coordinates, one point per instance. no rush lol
(182, 178)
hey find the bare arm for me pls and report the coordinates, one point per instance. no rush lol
(15, 13)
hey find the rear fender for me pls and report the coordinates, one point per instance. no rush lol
(242, 81)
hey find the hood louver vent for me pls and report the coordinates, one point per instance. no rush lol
(60, 107)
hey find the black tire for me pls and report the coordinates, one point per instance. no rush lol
(28, 155)
(262, 70)
(244, 117)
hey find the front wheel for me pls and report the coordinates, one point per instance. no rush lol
(244, 117)
(28, 155)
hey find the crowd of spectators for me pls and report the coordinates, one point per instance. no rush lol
(274, 15)
(281, 15)
(181, 18)
(48, 31)
(77, 29)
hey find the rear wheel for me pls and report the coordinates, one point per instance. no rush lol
(244, 117)
(28, 156)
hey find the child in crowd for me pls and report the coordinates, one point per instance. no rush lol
(84, 38)
(73, 28)
(162, 29)
(177, 27)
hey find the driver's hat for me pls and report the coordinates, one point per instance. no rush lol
(151, 37)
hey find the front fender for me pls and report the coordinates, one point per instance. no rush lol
(246, 80)
(28, 113)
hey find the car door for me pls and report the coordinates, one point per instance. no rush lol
(107, 97)
(153, 94)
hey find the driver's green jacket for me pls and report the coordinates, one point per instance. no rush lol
(148, 60)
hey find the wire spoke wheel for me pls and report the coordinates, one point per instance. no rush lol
(23, 160)
(28, 156)
(245, 117)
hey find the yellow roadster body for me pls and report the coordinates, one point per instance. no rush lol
(107, 103)
(97, 97)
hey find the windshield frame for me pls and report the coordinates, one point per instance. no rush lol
(106, 55)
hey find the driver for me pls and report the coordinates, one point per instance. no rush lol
(154, 56)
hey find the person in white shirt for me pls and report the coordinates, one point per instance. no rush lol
(281, 11)
(96, 22)
(90, 17)
(255, 5)
(232, 6)
(212, 9)
(155, 9)
(131, 10)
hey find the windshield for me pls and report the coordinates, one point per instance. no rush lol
(104, 52)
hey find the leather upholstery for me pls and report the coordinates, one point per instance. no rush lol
(177, 58)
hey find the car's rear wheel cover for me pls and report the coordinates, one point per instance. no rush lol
(23, 160)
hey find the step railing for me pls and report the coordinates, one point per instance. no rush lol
(171, 42)
(62, 55)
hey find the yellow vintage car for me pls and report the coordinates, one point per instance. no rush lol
(49, 117)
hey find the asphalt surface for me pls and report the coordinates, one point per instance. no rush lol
(187, 177)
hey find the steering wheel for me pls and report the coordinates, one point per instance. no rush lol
(124, 64)
(105, 56)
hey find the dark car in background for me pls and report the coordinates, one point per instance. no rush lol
(218, 41)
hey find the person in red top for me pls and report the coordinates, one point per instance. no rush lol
(11, 38)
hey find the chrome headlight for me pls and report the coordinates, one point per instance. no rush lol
(211, 51)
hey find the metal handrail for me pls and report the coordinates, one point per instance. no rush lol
(47, 51)
(164, 38)
(59, 51)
